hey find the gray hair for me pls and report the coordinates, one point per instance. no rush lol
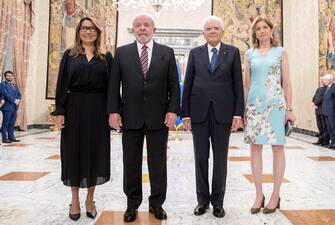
(328, 76)
(146, 15)
(216, 18)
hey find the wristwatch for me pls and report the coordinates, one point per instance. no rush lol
(289, 109)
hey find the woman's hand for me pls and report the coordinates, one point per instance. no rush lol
(290, 117)
(60, 121)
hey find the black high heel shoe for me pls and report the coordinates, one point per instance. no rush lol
(91, 215)
(75, 216)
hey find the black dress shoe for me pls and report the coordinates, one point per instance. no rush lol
(130, 215)
(319, 142)
(218, 211)
(200, 209)
(324, 143)
(75, 216)
(159, 212)
(91, 215)
(15, 140)
(332, 146)
(6, 141)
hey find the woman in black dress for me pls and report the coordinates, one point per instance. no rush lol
(81, 116)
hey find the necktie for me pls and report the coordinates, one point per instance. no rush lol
(144, 60)
(214, 58)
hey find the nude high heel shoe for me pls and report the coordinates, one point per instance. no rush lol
(257, 210)
(268, 211)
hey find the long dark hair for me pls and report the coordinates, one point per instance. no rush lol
(78, 47)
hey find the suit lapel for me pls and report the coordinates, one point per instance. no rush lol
(137, 61)
(154, 57)
(205, 57)
(223, 53)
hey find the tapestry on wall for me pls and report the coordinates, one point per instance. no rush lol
(327, 36)
(64, 16)
(238, 16)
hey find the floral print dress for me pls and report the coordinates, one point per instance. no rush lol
(265, 107)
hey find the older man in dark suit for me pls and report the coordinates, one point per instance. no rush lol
(148, 107)
(328, 107)
(212, 106)
(323, 136)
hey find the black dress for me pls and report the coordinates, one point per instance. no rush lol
(85, 140)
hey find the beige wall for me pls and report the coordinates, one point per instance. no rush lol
(301, 39)
(166, 20)
(37, 105)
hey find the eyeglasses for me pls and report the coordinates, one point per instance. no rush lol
(90, 29)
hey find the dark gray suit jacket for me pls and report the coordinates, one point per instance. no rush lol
(317, 99)
(144, 101)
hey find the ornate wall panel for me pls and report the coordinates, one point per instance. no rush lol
(327, 36)
(64, 16)
(238, 16)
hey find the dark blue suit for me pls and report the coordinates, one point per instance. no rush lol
(211, 99)
(10, 94)
(1, 93)
(328, 109)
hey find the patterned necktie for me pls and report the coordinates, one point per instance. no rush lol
(144, 60)
(214, 58)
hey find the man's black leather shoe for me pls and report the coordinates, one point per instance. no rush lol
(319, 142)
(218, 211)
(159, 212)
(7, 141)
(324, 143)
(200, 209)
(14, 140)
(130, 215)
(332, 146)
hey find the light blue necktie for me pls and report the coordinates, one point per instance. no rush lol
(214, 58)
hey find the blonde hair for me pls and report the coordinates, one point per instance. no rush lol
(255, 42)
(78, 47)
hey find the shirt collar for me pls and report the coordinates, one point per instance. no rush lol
(150, 45)
(217, 47)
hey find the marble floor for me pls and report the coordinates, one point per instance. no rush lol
(32, 193)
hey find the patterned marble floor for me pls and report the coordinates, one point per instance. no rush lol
(31, 191)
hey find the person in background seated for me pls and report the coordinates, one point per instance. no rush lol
(12, 98)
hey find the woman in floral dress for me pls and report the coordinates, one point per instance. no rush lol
(268, 106)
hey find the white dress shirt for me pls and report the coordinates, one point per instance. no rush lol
(210, 53)
(150, 45)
